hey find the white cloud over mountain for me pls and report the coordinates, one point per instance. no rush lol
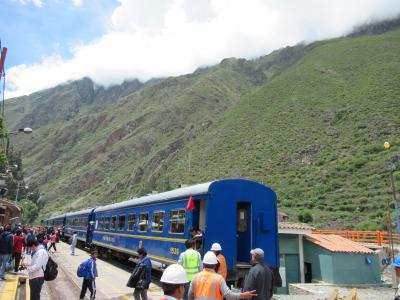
(155, 38)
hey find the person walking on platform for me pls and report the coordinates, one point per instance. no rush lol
(89, 277)
(74, 240)
(19, 244)
(53, 241)
(6, 248)
(211, 286)
(36, 268)
(221, 266)
(260, 277)
(143, 283)
(173, 282)
(190, 260)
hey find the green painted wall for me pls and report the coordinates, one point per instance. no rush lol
(289, 246)
(289, 243)
(321, 261)
(354, 269)
(341, 268)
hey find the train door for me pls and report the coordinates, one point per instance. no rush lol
(243, 231)
(199, 218)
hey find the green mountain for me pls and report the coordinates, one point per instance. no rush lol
(309, 121)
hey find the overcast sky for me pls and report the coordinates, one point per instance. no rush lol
(53, 41)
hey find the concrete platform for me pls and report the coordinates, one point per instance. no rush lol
(111, 283)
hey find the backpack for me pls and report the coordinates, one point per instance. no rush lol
(83, 269)
(51, 271)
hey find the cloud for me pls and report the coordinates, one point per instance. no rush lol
(77, 2)
(155, 38)
(37, 3)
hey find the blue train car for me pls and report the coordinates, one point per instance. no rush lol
(55, 222)
(81, 222)
(239, 214)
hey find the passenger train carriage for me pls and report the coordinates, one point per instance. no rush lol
(239, 214)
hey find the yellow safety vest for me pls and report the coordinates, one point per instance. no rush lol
(191, 263)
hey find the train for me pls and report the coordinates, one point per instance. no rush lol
(239, 214)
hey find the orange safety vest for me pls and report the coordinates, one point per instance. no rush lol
(206, 285)
(222, 266)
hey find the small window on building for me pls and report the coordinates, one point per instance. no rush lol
(157, 224)
(131, 222)
(143, 221)
(177, 220)
(121, 223)
(113, 222)
(242, 220)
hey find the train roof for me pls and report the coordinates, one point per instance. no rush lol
(81, 212)
(170, 195)
(56, 217)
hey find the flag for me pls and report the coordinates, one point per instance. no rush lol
(190, 205)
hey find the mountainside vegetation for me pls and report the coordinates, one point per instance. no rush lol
(309, 121)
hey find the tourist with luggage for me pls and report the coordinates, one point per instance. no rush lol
(88, 270)
(36, 268)
(141, 276)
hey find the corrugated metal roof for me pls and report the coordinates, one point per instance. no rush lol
(296, 226)
(336, 243)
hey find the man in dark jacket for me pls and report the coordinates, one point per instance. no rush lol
(6, 247)
(260, 277)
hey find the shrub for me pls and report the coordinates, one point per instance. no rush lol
(305, 217)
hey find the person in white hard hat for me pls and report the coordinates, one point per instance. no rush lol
(221, 266)
(209, 285)
(173, 282)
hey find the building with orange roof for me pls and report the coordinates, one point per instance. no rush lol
(335, 259)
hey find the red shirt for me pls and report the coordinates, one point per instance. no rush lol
(53, 238)
(19, 242)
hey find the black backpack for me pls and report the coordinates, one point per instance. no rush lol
(51, 271)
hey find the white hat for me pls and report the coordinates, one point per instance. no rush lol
(257, 251)
(216, 247)
(210, 258)
(174, 274)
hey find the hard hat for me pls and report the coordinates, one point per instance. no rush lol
(397, 262)
(174, 274)
(210, 258)
(216, 247)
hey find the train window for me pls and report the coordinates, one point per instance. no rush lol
(107, 223)
(113, 222)
(157, 224)
(100, 223)
(121, 223)
(242, 220)
(177, 219)
(131, 222)
(143, 221)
